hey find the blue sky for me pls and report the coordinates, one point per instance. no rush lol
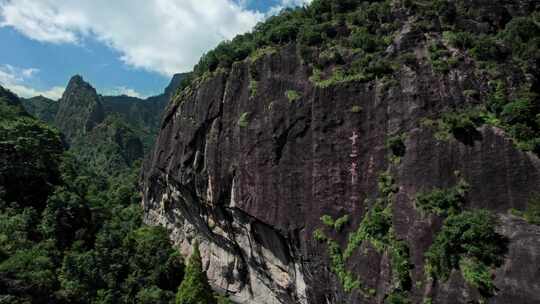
(121, 47)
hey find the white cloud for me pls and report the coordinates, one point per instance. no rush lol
(287, 3)
(13, 78)
(166, 36)
(121, 90)
(29, 72)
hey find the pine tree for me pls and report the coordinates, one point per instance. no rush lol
(195, 288)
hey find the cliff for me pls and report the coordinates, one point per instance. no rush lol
(397, 155)
(79, 109)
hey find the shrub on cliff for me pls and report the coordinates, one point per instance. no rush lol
(195, 288)
(532, 214)
(467, 241)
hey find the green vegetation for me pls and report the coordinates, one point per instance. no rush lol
(346, 278)
(356, 109)
(113, 146)
(532, 213)
(30, 155)
(443, 202)
(368, 30)
(69, 232)
(461, 40)
(516, 47)
(461, 124)
(375, 228)
(397, 148)
(397, 298)
(195, 287)
(243, 121)
(292, 95)
(441, 59)
(467, 241)
(253, 85)
(338, 224)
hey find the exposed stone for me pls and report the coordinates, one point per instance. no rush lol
(254, 193)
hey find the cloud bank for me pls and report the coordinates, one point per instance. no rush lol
(13, 78)
(164, 36)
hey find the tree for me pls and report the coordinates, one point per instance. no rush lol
(195, 288)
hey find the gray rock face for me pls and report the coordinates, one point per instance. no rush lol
(79, 109)
(251, 176)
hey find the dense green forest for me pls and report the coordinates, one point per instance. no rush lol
(69, 234)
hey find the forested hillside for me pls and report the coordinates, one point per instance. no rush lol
(71, 230)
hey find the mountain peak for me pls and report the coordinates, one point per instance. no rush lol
(77, 83)
(76, 78)
(80, 108)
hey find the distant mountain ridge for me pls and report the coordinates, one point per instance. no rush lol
(144, 114)
(106, 132)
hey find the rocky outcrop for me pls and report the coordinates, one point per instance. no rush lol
(79, 109)
(249, 173)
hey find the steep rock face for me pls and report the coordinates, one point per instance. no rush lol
(250, 174)
(79, 109)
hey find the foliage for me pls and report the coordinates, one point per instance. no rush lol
(376, 227)
(31, 154)
(461, 124)
(253, 85)
(396, 145)
(362, 39)
(471, 235)
(485, 48)
(328, 220)
(31, 267)
(522, 35)
(338, 224)
(318, 235)
(84, 242)
(532, 214)
(397, 298)
(477, 274)
(356, 109)
(346, 278)
(461, 40)
(443, 202)
(195, 287)
(316, 25)
(223, 300)
(440, 58)
(243, 120)
(292, 95)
